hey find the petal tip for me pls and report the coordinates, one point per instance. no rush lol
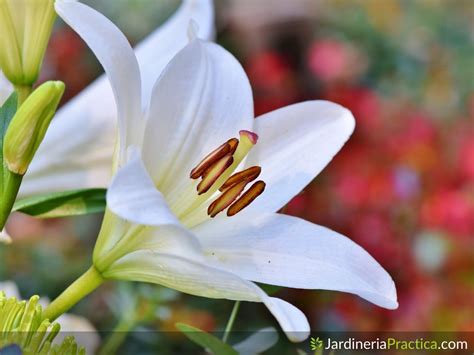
(346, 115)
(297, 337)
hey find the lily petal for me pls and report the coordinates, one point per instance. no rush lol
(10, 289)
(133, 196)
(199, 279)
(202, 99)
(172, 239)
(167, 40)
(305, 137)
(116, 55)
(288, 251)
(259, 342)
(6, 88)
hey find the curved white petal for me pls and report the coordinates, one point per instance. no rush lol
(10, 289)
(202, 99)
(133, 196)
(84, 159)
(288, 251)
(257, 343)
(6, 88)
(155, 52)
(295, 143)
(116, 55)
(83, 330)
(196, 278)
(171, 239)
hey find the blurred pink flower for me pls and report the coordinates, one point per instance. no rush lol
(273, 81)
(465, 158)
(364, 103)
(330, 60)
(451, 210)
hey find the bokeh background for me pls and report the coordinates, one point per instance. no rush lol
(402, 187)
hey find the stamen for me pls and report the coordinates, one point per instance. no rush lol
(211, 174)
(228, 147)
(246, 199)
(233, 142)
(224, 200)
(248, 175)
(216, 170)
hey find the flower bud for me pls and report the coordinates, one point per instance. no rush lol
(29, 125)
(25, 27)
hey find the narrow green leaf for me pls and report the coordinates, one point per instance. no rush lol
(63, 204)
(206, 340)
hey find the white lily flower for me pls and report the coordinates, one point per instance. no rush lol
(165, 233)
(89, 120)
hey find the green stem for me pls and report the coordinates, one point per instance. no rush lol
(118, 335)
(230, 322)
(23, 91)
(10, 190)
(79, 289)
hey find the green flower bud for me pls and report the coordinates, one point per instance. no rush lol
(25, 27)
(29, 125)
(23, 327)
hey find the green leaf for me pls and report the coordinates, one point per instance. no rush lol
(270, 289)
(206, 340)
(62, 204)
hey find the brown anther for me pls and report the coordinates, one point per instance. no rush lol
(225, 199)
(210, 159)
(246, 199)
(248, 175)
(212, 173)
(233, 143)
